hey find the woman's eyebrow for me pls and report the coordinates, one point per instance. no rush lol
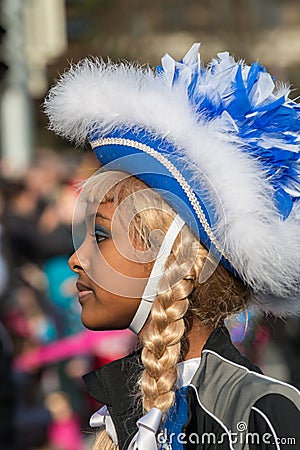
(101, 216)
(92, 217)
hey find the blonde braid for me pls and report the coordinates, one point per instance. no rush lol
(163, 334)
(181, 301)
(104, 442)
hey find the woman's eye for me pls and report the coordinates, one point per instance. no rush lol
(101, 234)
(100, 237)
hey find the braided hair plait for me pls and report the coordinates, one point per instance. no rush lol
(182, 300)
(162, 336)
(104, 442)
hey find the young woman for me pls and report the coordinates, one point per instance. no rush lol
(193, 217)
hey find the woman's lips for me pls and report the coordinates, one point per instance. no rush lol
(83, 294)
(83, 290)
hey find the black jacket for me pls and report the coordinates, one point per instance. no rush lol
(231, 404)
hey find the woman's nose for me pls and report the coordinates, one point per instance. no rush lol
(78, 262)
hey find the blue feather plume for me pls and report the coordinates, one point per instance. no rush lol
(263, 117)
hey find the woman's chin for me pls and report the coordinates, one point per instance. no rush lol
(90, 323)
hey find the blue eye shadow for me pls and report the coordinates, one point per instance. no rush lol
(101, 231)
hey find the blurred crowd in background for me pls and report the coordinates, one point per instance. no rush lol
(44, 349)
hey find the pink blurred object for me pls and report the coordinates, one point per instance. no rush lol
(106, 344)
(65, 434)
(17, 323)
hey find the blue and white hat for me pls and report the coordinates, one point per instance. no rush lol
(224, 139)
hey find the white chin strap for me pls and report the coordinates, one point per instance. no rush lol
(151, 289)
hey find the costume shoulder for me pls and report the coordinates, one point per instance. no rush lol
(275, 418)
(232, 391)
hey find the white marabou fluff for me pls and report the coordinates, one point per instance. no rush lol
(264, 249)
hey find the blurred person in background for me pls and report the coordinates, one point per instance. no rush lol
(39, 308)
(27, 313)
(26, 213)
(7, 397)
(64, 430)
(38, 305)
(291, 344)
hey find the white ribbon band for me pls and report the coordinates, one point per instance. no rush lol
(145, 438)
(102, 419)
(157, 272)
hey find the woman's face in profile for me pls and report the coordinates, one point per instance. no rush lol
(111, 274)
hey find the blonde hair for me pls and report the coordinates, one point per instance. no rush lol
(103, 442)
(182, 299)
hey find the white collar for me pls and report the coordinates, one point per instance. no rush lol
(186, 371)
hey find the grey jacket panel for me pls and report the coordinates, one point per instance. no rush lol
(227, 391)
